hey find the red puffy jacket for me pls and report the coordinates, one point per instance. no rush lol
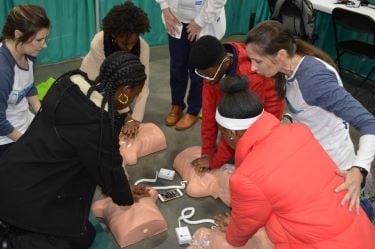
(264, 87)
(284, 180)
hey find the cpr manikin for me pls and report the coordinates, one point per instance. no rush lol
(131, 224)
(150, 139)
(214, 183)
(205, 238)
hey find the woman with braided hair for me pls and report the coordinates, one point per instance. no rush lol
(48, 178)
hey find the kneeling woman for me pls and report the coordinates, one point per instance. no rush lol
(284, 180)
(48, 178)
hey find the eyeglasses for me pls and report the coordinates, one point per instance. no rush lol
(217, 71)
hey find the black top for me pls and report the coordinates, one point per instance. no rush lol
(48, 177)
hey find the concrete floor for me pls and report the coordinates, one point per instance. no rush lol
(158, 106)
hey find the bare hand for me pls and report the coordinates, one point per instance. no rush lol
(139, 192)
(353, 180)
(201, 164)
(222, 220)
(193, 30)
(130, 129)
(171, 22)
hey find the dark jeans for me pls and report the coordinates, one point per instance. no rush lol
(15, 238)
(180, 71)
(3, 148)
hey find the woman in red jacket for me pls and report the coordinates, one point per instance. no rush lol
(213, 60)
(284, 180)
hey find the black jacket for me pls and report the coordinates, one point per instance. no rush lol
(48, 177)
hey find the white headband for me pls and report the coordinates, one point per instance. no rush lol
(235, 124)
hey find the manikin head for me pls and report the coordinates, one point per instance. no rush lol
(214, 183)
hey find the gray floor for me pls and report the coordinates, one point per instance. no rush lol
(158, 106)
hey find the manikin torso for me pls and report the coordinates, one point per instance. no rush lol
(150, 139)
(131, 224)
(214, 183)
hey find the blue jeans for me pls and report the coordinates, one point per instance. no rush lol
(180, 72)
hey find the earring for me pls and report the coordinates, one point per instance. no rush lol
(231, 138)
(123, 98)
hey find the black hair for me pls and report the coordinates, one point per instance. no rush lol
(119, 69)
(27, 18)
(123, 20)
(238, 102)
(126, 19)
(208, 51)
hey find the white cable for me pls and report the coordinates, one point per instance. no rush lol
(185, 217)
(147, 180)
(181, 186)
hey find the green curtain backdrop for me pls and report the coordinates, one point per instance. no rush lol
(72, 26)
(73, 23)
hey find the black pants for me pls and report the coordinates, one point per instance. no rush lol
(15, 238)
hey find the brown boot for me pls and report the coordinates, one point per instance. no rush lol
(186, 121)
(174, 115)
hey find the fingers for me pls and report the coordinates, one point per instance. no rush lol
(343, 186)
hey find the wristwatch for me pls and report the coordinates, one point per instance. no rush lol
(362, 170)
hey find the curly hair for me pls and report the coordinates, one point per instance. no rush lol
(126, 19)
(27, 18)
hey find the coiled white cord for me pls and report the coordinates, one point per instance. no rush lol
(186, 216)
(181, 186)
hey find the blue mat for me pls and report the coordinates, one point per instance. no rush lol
(103, 239)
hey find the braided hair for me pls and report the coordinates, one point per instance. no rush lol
(118, 70)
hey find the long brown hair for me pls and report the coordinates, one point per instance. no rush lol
(270, 36)
(27, 18)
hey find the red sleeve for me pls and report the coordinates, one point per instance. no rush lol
(250, 210)
(223, 154)
(265, 88)
(209, 129)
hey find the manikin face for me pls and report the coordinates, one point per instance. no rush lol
(262, 64)
(35, 44)
(126, 43)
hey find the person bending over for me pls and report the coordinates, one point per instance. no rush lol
(48, 178)
(316, 97)
(284, 180)
(122, 27)
(212, 61)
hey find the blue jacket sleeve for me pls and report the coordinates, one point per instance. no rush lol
(6, 83)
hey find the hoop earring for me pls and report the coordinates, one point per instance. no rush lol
(123, 98)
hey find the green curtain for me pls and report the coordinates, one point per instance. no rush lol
(73, 23)
(72, 27)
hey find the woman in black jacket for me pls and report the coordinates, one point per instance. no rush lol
(48, 178)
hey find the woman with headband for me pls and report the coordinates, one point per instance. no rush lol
(283, 181)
